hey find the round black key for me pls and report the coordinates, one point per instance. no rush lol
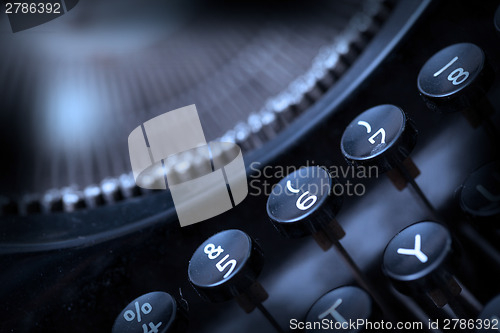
(154, 312)
(420, 261)
(480, 193)
(302, 203)
(225, 265)
(455, 78)
(380, 136)
(489, 318)
(417, 251)
(338, 309)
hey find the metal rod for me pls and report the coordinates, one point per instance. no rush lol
(479, 241)
(417, 189)
(361, 278)
(472, 304)
(270, 318)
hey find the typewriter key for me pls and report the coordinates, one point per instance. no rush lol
(480, 195)
(342, 307)
(303, 204)
(456, 79)
(384, 137)
(152, 312)
(226, 266)
(420, 260)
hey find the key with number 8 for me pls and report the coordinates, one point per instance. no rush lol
(225, 265)
(456, 79)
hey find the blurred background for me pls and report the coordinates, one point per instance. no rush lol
(72, 89)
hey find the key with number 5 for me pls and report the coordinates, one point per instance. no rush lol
(227, 266)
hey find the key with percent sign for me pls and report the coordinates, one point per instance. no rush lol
(129, 315)
(155, 312)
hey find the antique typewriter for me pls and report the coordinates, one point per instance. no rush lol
(391, 105)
